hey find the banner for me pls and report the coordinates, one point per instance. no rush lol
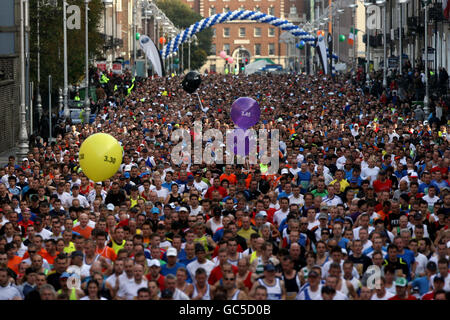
(101, 65)
(152, 53)
(117, 68)
(322, 51)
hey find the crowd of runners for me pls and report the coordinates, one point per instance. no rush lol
(357, 210)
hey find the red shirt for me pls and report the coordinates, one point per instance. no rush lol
(222, 191)
(428, 296)
(379, 186)
(398, 298)
(160, 280)
(216, 274)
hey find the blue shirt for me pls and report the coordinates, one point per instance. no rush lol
(283, 194)
(408, 257)
(165, 270)
(303, 180)
(422, 283)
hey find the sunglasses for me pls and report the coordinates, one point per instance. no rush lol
(231, 279)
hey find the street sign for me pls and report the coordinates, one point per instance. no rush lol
(430, 56)
(101, 65)
(117, 68)
(393, 62)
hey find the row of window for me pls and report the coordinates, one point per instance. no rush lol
(213, 11)
(257, 49)
(242, 32)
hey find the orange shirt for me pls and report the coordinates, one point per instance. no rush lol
(86, 232)
(107, 252)
(231, 178)
(43, 253)
(13, 264)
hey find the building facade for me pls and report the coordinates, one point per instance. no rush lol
(248, 41)
(9, 73)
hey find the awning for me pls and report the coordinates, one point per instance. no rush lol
(266, 59)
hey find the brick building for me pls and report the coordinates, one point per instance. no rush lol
(247, 41)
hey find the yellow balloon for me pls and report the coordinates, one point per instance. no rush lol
(100, 156)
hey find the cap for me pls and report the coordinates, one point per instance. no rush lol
(25, 159)
(172, 252)
(401, 282)
(199, 247)
(414, 175)
(155, 210)
(154, 263)
(127, 167)
(418, 216)
(183, 209)
(269, 267)
(323, 215)
(126, 175)
(76, 254)
(284, 171)
(64, 275)
(261, 214)
(323, 207)
(110, 207)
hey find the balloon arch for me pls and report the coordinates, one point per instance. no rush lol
(172, 46)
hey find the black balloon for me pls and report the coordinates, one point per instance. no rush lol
(191, 81)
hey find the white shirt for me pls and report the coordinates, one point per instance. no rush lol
(87, 298)
(180, 295)
(45, 234)
(208, 265)
(9, 292)
(371, 173)
(386, 296)
(201, 186)
(422, 261)
(332, 202)
(162, 193)
(430, 201)
(340, 162)
(195, 211)
(65, 198)
(123, 279)
(314, 295)
(356, 231)
(300, 200)
(83, 201)
(279, 216)
(112, 279)
(129, 289)
(92, 194)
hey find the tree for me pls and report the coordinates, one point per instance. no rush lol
(182, 17)
(52, 45)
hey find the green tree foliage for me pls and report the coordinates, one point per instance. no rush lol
(52, 45)
(182, 17)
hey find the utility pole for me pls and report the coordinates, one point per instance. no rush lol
(66, 77)
(23, 134)
(86, 90)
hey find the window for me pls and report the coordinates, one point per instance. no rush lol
(257, 32)
(226, 9)
(213, 49)
(213, 32)
(241, 8)
(271, 49)
(257, 9)
(293, 10)
(226, 32)
(241, 32)
(271, 10)
(271, 32)
(213, 68)
(212, 11)
(226, 48)
(257, 49)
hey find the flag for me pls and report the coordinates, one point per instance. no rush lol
(446, 8)
(351, 36)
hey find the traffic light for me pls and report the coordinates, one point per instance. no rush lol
(246, 60)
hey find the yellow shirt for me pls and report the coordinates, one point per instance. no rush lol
(116, 247)
(70, 248)
(246, 233)
(343, 184)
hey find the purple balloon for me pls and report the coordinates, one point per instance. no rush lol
(245, 112)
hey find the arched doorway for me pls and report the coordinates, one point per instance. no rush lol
(241, 58)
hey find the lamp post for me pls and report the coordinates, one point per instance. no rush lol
(367, 4)
(38, 94)
(106, 4)
(353, 6)
(400, 5)
(426, 108)
(23, 134)
(86, 90)
(340, 11)
(383, 4)
(66, 77)
(133, 38)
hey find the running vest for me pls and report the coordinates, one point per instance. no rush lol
(235, 262)
(236, 295)
(273, 292)
(206, 296)
(73, 294)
